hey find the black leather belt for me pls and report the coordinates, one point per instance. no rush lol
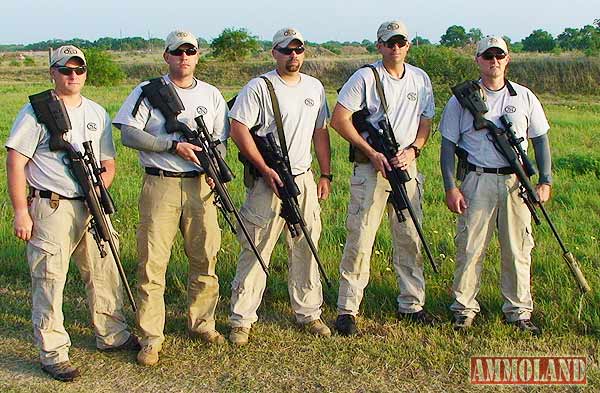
(160, 172)
(52, 195)
(498, 171)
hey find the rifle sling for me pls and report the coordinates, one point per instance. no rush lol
(278, 121)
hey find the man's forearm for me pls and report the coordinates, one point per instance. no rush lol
(323, 150)
(543, 158)
(140, 140)
(17, 182)
(447, 161)
(423, 132)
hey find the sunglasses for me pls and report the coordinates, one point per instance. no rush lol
(288, 51)
(69, 70)
(390, 44)
(491, 55)
(179, 52)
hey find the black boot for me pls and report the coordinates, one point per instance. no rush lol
(345, 325)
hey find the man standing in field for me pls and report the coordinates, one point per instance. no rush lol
(488, 197)
(175, 196)
(54, 219)
(304, 115)
(410, 108)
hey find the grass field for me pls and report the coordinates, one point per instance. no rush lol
(390, 355)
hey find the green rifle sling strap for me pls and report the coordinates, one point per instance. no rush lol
(278, 120)
(379, 88)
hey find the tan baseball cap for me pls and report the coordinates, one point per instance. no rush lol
(389, 29)
(286, 35)
(61, 55)
(178, 37)
(491, 41)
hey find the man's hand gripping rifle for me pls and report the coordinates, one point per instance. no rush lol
(163, 96)
(50, 111)
(509, 145)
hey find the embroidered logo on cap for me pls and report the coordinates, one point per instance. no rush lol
(393, 26)
(69, 51)
(289, 32)
(182, 34)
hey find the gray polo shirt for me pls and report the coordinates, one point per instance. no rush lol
(201, 99)
(303, 109)
(409, 98)
(524, 110)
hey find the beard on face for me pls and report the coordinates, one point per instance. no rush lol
(292, 67)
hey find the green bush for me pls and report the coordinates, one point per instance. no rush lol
(14, 63)
(102, 69)
(29, 61)
(234, 44)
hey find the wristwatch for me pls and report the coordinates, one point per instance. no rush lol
(417, 150)
(173, 148)
(328, 177)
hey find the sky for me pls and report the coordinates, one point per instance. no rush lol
(28, 21)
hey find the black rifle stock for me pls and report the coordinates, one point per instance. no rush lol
(383, 141)
(50, 111)
(288, 193)
(509, 145)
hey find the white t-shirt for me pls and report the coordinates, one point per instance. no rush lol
(201, 99)
(303, 109)
(409, 98)
(523, 110)
(46, 169)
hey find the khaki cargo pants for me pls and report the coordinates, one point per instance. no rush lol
(57, 235)
(369, 192)
(493, 202)
(260, 214)
(167, 205)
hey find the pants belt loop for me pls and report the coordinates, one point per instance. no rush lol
(54, 200)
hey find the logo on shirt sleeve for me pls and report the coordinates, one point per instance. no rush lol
(510, 109)
(309, 102)
(412, 96)
(92, 126)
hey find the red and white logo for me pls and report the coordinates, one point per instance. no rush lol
(528, 370)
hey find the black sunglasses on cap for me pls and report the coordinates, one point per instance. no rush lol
(288, 51)
(69, 70)
(491, 55)
(179, 52)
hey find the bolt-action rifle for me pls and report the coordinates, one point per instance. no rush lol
(384, 142)
(288, 193)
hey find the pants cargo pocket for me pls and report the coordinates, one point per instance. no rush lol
(45, 260)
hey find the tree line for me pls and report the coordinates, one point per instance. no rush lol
(234, 43)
